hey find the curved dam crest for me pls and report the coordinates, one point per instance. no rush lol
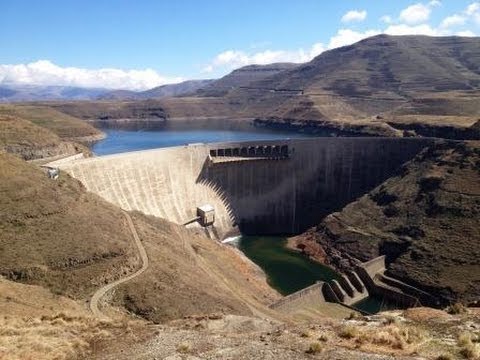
(283, 195)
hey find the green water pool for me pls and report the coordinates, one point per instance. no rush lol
(287, 271)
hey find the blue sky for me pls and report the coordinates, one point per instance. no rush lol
(140, 44)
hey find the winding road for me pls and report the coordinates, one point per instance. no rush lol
(94, 301)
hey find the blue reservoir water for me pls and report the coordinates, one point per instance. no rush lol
(118, 141)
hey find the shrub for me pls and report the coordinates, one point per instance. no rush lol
(323, 338)
(183, 348)
(464, 339)
(444, 357)
(389, 320)
(457, 308)
(348, 332)
(355, 316)
(470, 351)
(314, 348)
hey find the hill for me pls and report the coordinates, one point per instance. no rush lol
(30, 141)
(243, 77)
(67, 127)
(425, 220)
(169, 90)
(395, 80)
(20, 93)
(34, 131)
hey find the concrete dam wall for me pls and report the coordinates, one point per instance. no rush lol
(261, 187)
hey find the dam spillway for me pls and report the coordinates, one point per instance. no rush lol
(257, 194)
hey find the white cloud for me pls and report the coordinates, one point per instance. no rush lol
(44, 72)
(415, 14)
(347, 37)
(412, 20)
(473, 8)
(387, 19)
(354, 15)
(453, 20)
(232, 59)
(473, 12)
(404, 29)
(467, 33)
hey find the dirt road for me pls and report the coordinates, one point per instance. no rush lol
(96, 298)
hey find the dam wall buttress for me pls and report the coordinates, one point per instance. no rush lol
(259, 195)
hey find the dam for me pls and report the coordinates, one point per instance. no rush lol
(255, 187)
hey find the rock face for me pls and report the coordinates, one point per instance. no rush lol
(426, 221)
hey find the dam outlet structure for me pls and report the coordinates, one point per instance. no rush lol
(254, 187)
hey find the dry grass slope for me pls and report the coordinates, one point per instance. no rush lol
(56, 234)
(191, 274)
(64, 126)
(29, 141)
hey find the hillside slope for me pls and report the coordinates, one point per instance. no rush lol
(426, 221)
(67, 127)
(246, 76)
(168, 90)
(29, 141)
(399, 65)
(398, 79)
(18, 93)
(55, 234)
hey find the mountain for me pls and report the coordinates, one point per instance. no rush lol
(397, 64)
(17, 93)
(243, 77)
(381, 86)
(183, 88)
(396, 79)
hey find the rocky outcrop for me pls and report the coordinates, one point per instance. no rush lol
(424, 220)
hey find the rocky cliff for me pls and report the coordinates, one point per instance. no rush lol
(425, 220)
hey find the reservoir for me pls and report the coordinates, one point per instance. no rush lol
(118, 141)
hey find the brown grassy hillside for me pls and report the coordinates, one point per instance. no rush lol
(55, 234)
(191, 274)
(29, 141)
(36, 324)
(64, 126)
(426, 220)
